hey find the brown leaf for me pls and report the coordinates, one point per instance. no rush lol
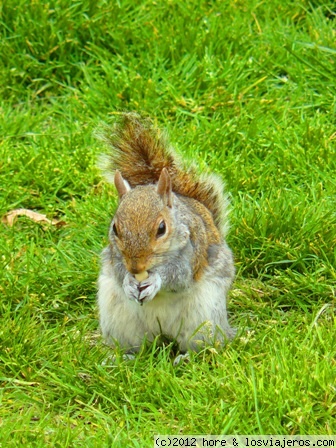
(10, 217)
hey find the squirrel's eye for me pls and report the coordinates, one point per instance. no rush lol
(115, 231)
(161, 229)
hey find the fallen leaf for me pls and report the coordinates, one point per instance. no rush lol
(10, 217)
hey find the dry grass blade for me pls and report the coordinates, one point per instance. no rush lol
(10, 217)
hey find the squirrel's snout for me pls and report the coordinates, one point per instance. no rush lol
(136, 267)
(135, 271)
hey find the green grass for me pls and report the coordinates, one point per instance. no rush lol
(244, 87)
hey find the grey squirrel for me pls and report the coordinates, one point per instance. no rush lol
(167, 268)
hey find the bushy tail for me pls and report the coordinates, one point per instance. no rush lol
(140, 151)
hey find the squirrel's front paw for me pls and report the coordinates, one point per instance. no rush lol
(142, 292)
(131, 287)
(150, 287)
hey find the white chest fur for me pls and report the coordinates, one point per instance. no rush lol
(178, 315)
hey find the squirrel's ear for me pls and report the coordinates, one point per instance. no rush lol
(121, 184)
(164, 187)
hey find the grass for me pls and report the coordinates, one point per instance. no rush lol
(246, 88)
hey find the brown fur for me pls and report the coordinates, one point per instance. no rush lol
(203, 233)
(140, 152)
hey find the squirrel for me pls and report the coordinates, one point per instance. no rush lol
(167, 269)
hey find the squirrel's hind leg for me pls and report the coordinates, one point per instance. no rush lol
(205, 316)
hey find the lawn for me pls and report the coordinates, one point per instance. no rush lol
(245, 88)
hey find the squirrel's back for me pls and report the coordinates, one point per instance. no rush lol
(140, 151)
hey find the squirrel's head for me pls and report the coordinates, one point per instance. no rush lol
(143, 227)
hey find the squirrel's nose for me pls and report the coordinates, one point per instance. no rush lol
(136, 267)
